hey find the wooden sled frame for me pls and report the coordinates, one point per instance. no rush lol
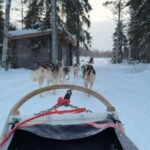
(14, 111)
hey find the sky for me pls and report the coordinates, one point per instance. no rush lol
(102, 25)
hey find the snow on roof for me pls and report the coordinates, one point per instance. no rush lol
(21, 32)
(34, 32)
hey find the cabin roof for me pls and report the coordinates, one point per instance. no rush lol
(22, 32)
(30, 33)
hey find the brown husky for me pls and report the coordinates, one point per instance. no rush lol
(89, 76)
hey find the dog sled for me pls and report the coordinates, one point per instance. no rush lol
(70, 128)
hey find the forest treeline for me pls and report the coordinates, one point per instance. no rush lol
(96, 53)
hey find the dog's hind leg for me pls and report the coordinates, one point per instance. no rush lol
(68, 76)
(49, 83)
(40, 84)
(55, 82)
(91, 85)
(85, 84)
(92, 81)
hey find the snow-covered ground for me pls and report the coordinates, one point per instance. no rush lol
(125, 86)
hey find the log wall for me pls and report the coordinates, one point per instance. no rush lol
(31, 52)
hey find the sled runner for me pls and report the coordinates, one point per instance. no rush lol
(72, 128)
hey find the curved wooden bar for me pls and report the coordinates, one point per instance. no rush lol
(14, 111)
(61, 86)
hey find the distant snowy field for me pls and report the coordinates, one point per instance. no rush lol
(127, 87)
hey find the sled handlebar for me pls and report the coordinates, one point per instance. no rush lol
(14, 110)
(61, 86)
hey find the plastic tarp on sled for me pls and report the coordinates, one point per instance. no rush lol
(69, 137)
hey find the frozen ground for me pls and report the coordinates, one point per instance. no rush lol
(125, 86)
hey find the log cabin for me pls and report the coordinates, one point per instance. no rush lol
(31, 48)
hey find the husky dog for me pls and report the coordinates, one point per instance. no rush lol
(60, 65)
(83, 68)
(56, 70)
(48, 75)
(88, 64)
(91, 60)
(66, 71)
(53, 74)
(38, 75)
(63, 70)
(75, 70)
(89, 76)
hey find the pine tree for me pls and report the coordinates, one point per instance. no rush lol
(119, 37)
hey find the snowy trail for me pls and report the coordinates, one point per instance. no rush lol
(129, 92)
(126, 87)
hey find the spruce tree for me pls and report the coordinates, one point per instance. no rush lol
(139, 30)
(33, 15)
(47, 18)
(134, 31)
(119, 37)
(120, 42)
(77, 17)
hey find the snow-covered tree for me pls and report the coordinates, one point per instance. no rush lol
(139, 31)
(119, 36)
(120, 43)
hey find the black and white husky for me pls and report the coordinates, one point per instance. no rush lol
(89, 74)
